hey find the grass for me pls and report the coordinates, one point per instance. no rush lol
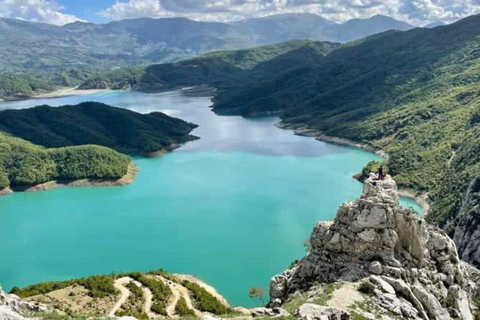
(97, 286)
(204, 301)
(182, 310)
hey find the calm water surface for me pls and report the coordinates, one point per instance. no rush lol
(232, 208)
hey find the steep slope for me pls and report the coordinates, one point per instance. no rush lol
(96, 123)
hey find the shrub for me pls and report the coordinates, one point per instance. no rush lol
(204, 300)
(182, 309)
(366, 287)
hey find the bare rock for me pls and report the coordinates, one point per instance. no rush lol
(8, 314)
(269, 312)
(309, 311)
(414, 267)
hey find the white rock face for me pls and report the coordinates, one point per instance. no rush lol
(414, 267)
(12, 308)
(8, 314)
(309, 311)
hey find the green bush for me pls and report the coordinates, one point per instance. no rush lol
(97, 286)
(160, 291)
(182, 309)
(204, 300)
(366, 287)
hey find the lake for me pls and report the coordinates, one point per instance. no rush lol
(232, 208)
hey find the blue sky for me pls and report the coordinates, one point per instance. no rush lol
(87, 9)
(416, 12)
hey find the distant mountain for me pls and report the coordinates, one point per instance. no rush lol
(435, 24)
(360, 28)
(67, 55)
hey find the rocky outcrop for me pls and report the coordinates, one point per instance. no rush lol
(467, 232)
(309, 311)
(12, 308)
(413, 269)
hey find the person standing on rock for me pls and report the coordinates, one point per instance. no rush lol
(380, 173)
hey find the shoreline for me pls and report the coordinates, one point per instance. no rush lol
(66, 92)
(421, 199)
(127, 179)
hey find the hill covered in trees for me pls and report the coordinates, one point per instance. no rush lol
(68, 55)
(96, 123)
(44, 143)
(220, 69)
(413, 94)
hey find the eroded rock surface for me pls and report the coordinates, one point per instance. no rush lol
(413, 268)
(12, 308)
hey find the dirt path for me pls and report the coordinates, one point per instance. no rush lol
(344, 297)
(209, 289)
(148, 302)
(125, 293)
(178, 291)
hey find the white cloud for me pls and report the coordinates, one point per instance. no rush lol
(417, 12)
(46, 11)
(136, 9)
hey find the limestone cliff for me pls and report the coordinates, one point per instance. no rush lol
(408, 269)
(12, 308)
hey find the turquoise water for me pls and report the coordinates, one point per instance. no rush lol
(232, 208)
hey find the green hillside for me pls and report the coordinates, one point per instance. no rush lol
(20, 86)
(25, 164)
(220, 69)
(96, 123)
(413, 94)
(42, 144)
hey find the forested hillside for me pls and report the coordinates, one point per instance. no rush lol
(96, 123)
(44, 143)
(25, 164)
(220, 69)
(21, 86)
(413, 94)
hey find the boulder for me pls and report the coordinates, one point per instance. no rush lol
(269, 312)
(309, 311)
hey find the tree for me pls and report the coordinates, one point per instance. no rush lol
(257, 293)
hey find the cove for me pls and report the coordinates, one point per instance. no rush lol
(232, 208)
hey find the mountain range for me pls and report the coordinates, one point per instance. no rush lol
(66, 55)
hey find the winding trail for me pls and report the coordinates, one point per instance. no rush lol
(120, 284)
(178, 291)
(125, 293)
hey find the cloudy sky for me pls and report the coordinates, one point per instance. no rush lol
(417, 12)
